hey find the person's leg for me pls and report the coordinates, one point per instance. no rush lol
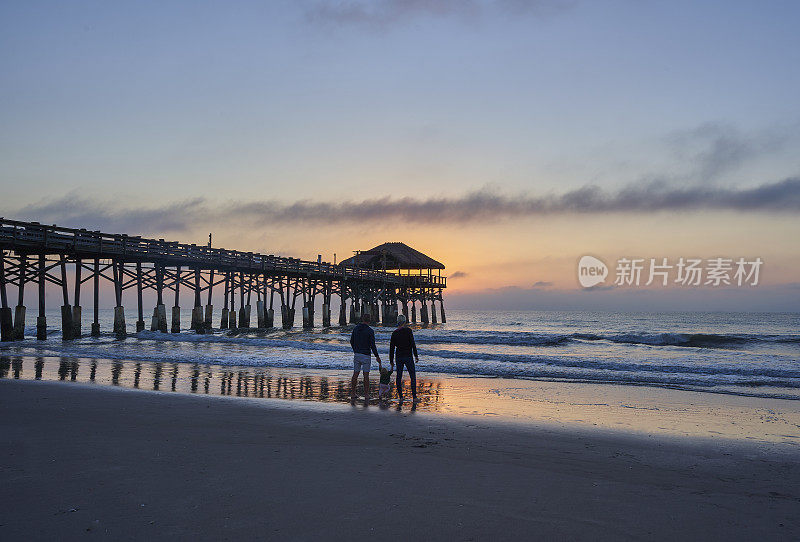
(399, 384)
(366, 385)
(354, 384)
(412, 373)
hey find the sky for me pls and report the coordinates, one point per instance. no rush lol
(505, 138)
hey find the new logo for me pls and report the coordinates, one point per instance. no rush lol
(591, 271)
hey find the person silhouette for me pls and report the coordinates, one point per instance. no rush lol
(362, 339)
(403, 342)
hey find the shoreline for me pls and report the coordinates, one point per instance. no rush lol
(88, 460)
(648, 410)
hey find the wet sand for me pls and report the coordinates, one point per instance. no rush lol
(545, 404)
(84, 461)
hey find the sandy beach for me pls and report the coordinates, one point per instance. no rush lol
(86, 461)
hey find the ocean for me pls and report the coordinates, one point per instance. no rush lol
(755, 354)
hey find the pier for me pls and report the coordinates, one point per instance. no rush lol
(379, 282)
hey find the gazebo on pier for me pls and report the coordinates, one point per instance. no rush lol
(421, 277)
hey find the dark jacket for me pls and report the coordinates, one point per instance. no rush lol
(403, 341)
(363, 340)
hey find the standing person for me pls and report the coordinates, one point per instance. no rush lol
(363, 342)
(403, 341)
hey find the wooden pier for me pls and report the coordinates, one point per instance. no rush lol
(37, 254)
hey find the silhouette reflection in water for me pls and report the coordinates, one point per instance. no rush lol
(259, 382)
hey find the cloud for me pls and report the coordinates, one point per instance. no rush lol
(714, 149)
(541, 284)
(381, 12)
(386, 12)
(73, 211)
(487, 206)
(600, 288)
(483, 206)
(458, 275)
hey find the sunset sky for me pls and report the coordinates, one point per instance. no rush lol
(505, 138)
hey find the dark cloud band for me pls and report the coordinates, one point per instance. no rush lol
(387, 12)
(476, 207)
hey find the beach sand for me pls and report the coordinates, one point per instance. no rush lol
(85, 461)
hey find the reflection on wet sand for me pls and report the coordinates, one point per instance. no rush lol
(557, 404)
(266, 382)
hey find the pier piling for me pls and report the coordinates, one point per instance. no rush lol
(161, 318)
(76, 321)
(19, 323)
(19, 311)
(66, 322)
(41, 320)
(232, 311)
(209, 314)
(176, 309)
(67, 328)
(76, 307)
(225, 320)
(260, 315)
(118, 267)
(160, 312)
(139, 303)
(119, 322)
(366, 310)
(176, 320)
(96, 298)
(326, 315)
(6, 324)
(285, 316)
(197, 319)
(197, 311)
(243, 309)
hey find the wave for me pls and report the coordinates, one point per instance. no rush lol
(498, 338)
(522, 338)
(287, 351)
(720, 382)
(696, 340)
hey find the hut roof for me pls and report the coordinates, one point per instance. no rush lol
(397, 255)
